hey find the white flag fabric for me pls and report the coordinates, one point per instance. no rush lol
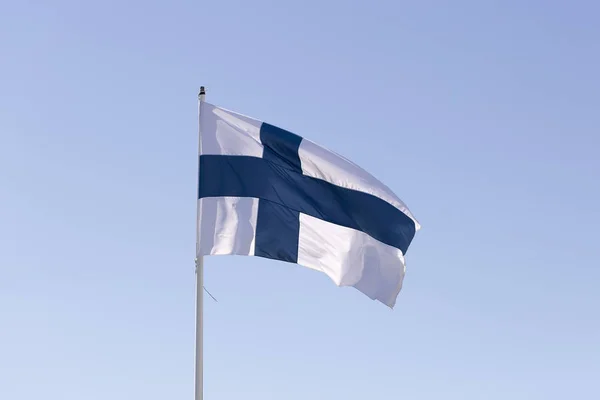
(267, 192)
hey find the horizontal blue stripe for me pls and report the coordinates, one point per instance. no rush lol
(243, 176)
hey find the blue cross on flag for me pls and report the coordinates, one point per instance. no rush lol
(267, 192)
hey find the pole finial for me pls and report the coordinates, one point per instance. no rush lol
(202, 91)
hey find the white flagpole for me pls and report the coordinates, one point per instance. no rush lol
(199, 382)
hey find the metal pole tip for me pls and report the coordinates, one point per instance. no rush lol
(202, 91)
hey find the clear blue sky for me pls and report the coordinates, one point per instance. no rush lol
(481, 115)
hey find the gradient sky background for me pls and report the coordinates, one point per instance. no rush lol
(482, 116)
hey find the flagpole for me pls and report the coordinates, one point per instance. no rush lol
(199, 371)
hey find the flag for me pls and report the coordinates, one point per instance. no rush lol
(264, 191)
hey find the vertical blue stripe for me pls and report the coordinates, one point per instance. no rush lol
(280, 147)
(277, 227)
(277, 231)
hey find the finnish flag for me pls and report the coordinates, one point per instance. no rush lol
(267, 192)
